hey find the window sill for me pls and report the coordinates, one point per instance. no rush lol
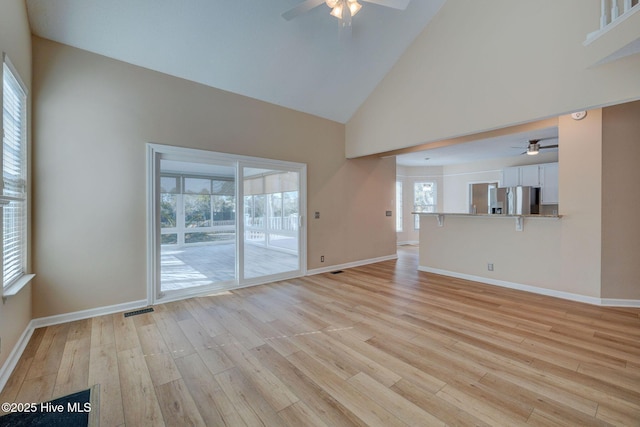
(16, 286)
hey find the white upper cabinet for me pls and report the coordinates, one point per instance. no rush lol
(521, 175)
(530, 176)
(549, 184)
(544, 176)
(510, 177)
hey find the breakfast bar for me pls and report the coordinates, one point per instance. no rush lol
(487, 248)
(519, 219)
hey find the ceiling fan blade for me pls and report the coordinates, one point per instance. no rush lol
(548, 146)
(303, 7)
(394, 4)
(536, 140)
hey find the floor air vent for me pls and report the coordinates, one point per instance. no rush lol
(136, 312)
(337, 272)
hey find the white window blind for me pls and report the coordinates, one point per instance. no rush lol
(14, 159)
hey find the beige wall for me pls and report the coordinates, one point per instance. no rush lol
(621, 201)
(561, 255)
(580, 183)
(515, 62)
(93, 118)
(465, 245)
(15, 40)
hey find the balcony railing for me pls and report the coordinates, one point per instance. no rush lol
(612, 12)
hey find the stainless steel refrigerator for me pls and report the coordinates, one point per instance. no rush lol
(518, 200)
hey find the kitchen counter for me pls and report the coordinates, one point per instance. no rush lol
(518, 218)
(486, 215)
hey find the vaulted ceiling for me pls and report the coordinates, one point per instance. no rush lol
(244, 46)
(247, 47)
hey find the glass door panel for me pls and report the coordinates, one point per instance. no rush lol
(219, 221)
(271, 238)
(197, 225)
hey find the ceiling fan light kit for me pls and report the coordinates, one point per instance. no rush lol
(533, 149)
(344, 10)
(534, 146)
(340, 7)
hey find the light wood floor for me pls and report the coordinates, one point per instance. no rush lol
(377, 345)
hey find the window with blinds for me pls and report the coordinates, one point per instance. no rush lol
(14, 164)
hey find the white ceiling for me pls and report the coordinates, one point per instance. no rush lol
(485, 149)
(244, 46)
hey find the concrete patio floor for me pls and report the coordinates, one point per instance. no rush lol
(192, 266)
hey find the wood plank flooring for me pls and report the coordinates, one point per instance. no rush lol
(379, 345)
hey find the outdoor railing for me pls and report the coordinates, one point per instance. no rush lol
(612, 12)
(256, 230)
(289, 223)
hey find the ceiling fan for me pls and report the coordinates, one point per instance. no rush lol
(344, 10)
(534, 146)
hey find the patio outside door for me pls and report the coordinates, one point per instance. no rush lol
(197, 225)
(271, 222)
(218, 221)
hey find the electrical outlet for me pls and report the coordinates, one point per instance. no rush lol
(490, 266)
(322, 258)
(388, 213)
(317, 215)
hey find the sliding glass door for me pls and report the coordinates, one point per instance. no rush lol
(271, 221)
(197, 225)
(218, 221)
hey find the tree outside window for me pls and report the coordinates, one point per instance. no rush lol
(424, 199)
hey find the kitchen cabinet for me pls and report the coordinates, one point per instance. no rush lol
(549, 184)
(544, 176)
(530, 176)
(510, 177)
(521, 175)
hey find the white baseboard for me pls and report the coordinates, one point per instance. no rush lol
(86, 314)
(613, 302)
(350, 264)
(536, 290)
(10, 364)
